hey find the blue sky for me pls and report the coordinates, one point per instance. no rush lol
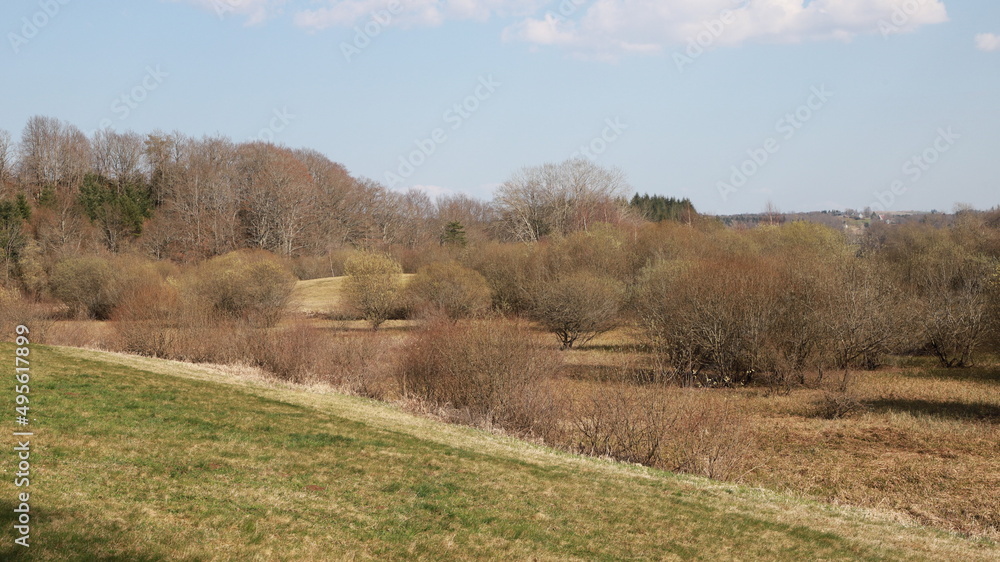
(811, 105)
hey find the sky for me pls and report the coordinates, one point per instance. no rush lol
(809, 105)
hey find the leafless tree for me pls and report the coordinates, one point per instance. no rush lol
(7, 162)
(53, 154)
(560, 198)
(119, 156)
(279, 200)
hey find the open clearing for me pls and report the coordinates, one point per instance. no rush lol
(325, 296)
(222, 466)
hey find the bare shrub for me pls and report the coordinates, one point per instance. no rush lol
(838, 405)
(489, 373)
(288, 353)
(330, 264)
(624, 422)
(578, 306)
(15, 311)
(361, 364)
(150, 304)
(711, 319)
(710, 437)
(447, 287)
(507, 270)
(373, 285)
(690, 431)
(249, 285)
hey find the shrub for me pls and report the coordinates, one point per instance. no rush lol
(578, 306)
(448, 288)
(680, 430)
(507, 270)
(249, 285)
(837, 405)
(489, 373)
(15, 311)
(88, 286)
(373, 285)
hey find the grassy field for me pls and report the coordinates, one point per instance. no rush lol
(324, 296)
(924, 443)
(142, 459)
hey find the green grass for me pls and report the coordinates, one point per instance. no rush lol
(139, 459)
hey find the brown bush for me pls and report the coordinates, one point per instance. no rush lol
(624, 422)
(578, 306)
(688, 431)
(89, 286)
(248, 285)
(507, 269)
(449, 289)
(488, 373)
(330, 264)
(16, 311)
(361, 364)
(289, 353)
(373, 285)
(837, 405)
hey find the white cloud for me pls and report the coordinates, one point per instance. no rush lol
(624, 26)
(255, 11)
(988, 42)
(345, 13)
(609, 28)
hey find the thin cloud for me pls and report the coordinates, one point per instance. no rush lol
(253, 11)
(621, 25)
(988, 42)
(606, 29)
(345, 13)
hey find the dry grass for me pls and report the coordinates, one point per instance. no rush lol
(921, 441)
(325, 297)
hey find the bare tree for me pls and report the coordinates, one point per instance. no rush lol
(279, 198)
(53, 155)
(6, 160)
(560, 198)
(164, 156)
(119, 156)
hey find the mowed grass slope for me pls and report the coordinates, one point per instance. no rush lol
(142, 459)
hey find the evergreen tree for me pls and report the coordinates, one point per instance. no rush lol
(454, 233)
(657, 208)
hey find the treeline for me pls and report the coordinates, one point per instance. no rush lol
(168, 196)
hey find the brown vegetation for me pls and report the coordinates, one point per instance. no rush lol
(687, 345)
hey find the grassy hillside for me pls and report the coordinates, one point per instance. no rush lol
(142, 459)
(324, 296)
